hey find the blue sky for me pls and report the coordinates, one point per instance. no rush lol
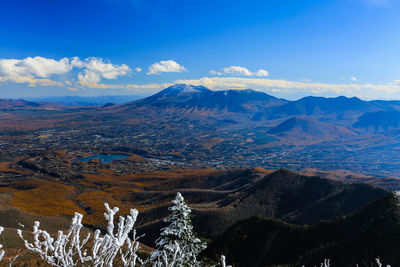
(287, 48)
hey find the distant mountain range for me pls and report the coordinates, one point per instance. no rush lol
(86, 100)
(245, 106)
(24, 104)
(260, 107)
(307, 120)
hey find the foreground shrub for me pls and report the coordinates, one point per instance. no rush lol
(68, 249)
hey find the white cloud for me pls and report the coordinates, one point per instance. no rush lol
(353, 78)
(241, 71)
(236, 70)
(261, 73)
(93, 69)
(96, 68)
(165, 66)
(214, 72)
(89, 77)
(34, 67)
(138, 69)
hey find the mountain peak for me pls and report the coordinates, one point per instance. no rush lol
(182, 89)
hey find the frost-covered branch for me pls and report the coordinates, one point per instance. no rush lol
(1, 246)
(378, 261)
(326, 263)
(66, 250)
(106, 248)
(164, 260)
(223, 263)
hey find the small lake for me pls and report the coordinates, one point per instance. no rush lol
(105, 158)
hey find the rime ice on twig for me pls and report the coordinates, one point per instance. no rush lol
(164, 260)
(378, 261)
(68, 250)
(326, 263)
(107, 247)
(1, 246)
(223, 263)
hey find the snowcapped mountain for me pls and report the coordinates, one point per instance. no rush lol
(183, 96)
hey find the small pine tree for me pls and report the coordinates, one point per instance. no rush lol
(179, 236)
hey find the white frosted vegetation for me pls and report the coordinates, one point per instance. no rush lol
(1, 246)
(177, 246)
(65, 250)
(178, 237)
(106, 248)
(326, 263)
(379, 263)
(68, 249)
(223, 263)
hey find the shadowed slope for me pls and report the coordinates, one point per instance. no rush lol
(378, 121)
(373, 231)
(302, 128)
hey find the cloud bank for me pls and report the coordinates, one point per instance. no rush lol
(288, 88)
(280, 88)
